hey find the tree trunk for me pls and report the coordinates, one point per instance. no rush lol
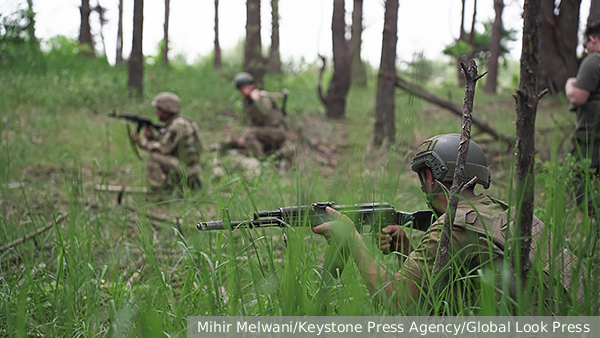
(385, 128)
(136, 60)
(461, 37)
(340, 81)
(31, 25)
(253, 59)
(558, 44)
(527, 99)
(274, 57)
(85, 31)
(102, 19)
(217, 58)
(359, 72)
(472, 32)
(165, 50)
(594, 16)
(119, 55)
(495, 48)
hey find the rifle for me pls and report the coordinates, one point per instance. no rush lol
(142, 121)
(369, 218)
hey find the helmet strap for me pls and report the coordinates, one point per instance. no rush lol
(441, 188)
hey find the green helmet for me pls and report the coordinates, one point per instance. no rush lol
(167, 102)
(439, 154)
(243, 79)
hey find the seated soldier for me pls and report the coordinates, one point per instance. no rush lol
(174, 155)
(265, 135)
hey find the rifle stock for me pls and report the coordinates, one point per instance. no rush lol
(369, 218)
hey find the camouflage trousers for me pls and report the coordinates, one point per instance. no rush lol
(164, 171)
(262, 141)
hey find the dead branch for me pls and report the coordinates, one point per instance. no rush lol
(16, 185)
(33, 234)
(457, 181)
(156, 216)
(423, 93)
(121, 188)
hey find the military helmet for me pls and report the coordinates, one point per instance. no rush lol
(243, 79)
(167, 102)
(439, 154)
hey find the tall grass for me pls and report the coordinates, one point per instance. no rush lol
(103, 270)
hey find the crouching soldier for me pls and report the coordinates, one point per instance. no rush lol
(173, 156)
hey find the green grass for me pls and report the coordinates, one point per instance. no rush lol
(107, 271)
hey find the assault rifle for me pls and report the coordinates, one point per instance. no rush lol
(142, 121)
(369, 218)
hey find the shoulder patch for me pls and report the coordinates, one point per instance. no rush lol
(471, 217)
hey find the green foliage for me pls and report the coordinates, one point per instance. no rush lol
(480, 47)
(105, 270)
(17, 47)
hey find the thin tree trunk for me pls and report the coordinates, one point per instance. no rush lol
(558, 43)
(136, 61)
(461, 37)
(253, 59)
(31, 25)
(495, 48)
(274, 57)
(340, 81)
(472, 32)
(594, 17)
(85, 31)
(527, 99)
(165, 51)
(456, 189)
(359, 72)
(102, 20)
(119, 55)
(217, 58)
(385, 128)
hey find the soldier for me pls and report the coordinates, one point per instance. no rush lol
(478, 232)
(584, 94)
(173, 156)
(265, 135)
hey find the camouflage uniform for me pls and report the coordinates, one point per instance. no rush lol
(265, 135)
(176, 153)
(477, 242)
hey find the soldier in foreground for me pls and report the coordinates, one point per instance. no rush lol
(476, 243)
(265, 135)
(584, 94)
(173, 156)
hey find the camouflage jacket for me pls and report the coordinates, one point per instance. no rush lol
(264, 111)
(180, 138)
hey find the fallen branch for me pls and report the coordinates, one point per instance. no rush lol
(33, 234)
(121, 188)
(156, 216)
(16, 185)
(421, 92)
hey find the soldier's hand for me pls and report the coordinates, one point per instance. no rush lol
(148, 133)
(339, 230)
(393, 238)
(136, 138)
